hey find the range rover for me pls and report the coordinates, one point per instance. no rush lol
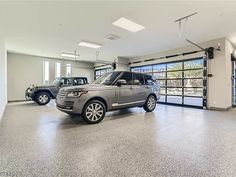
(112, 91)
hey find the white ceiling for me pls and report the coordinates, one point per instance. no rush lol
(50, 28)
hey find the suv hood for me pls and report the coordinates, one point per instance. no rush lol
(87, 87)
(45, 86)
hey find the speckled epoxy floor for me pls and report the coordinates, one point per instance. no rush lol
(172, 141)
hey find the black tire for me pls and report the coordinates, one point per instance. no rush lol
(94, 112)
(42, 98)
(150, 103)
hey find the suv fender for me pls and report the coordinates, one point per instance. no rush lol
(99, 99)
(44, 90)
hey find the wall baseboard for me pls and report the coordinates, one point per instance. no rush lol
(219, 109)
(14, 101)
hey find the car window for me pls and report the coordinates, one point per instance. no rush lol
(107, 79)
(128, 77)
(66, 81)
(79, 81)
(138, 79)
(57, 80)
(149, 80)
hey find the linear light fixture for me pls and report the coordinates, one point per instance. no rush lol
(70, 55)
(89, 44)
(128, 25)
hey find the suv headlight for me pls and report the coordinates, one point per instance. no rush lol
(76, 93)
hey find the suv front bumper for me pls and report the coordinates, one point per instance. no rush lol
(69, 105)
(29, 94)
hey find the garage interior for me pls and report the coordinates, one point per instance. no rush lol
(188, 47)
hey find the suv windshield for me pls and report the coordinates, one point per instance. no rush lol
(56, 81)
(107, 79)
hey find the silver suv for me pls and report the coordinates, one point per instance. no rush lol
(112, 91)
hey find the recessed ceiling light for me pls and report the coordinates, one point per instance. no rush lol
(128, 25)
(70, 55)
(90, 45)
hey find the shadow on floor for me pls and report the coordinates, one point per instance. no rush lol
(72, 121)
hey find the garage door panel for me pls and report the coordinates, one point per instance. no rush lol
(182, 82)
(193, 83)
(193, 64)
(174, 83)
(160, 75)
(193, 92)
(195, 101)
(174, 74)
(174, 99)
(193, 73)
(174, 91)
(174, 66)
(162, 98)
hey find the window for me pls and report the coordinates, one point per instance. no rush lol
(79, 81)
(107, 79)
(159, 67)
(66, 81)
(127, 77)
(57, 70)
(149, 80)
(138, 79)
(68, 70)
(146, 69)
(174, 66)
(46, 72)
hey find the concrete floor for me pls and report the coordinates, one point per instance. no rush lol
(172, 141)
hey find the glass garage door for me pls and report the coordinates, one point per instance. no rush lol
(182, 82)
(234, 83)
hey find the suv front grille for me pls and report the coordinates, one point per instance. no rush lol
(69, 103)
(61, 94)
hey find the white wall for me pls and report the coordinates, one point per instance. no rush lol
(24, 70)
(3, 80)
(219, 86)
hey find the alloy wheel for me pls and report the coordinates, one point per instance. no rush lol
(94, 112)
(151, 103)
(43, 98)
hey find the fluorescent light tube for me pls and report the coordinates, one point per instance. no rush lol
(70, 55)
(128, 25)
(90, 45)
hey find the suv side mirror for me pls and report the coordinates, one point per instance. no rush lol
(121, 82)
